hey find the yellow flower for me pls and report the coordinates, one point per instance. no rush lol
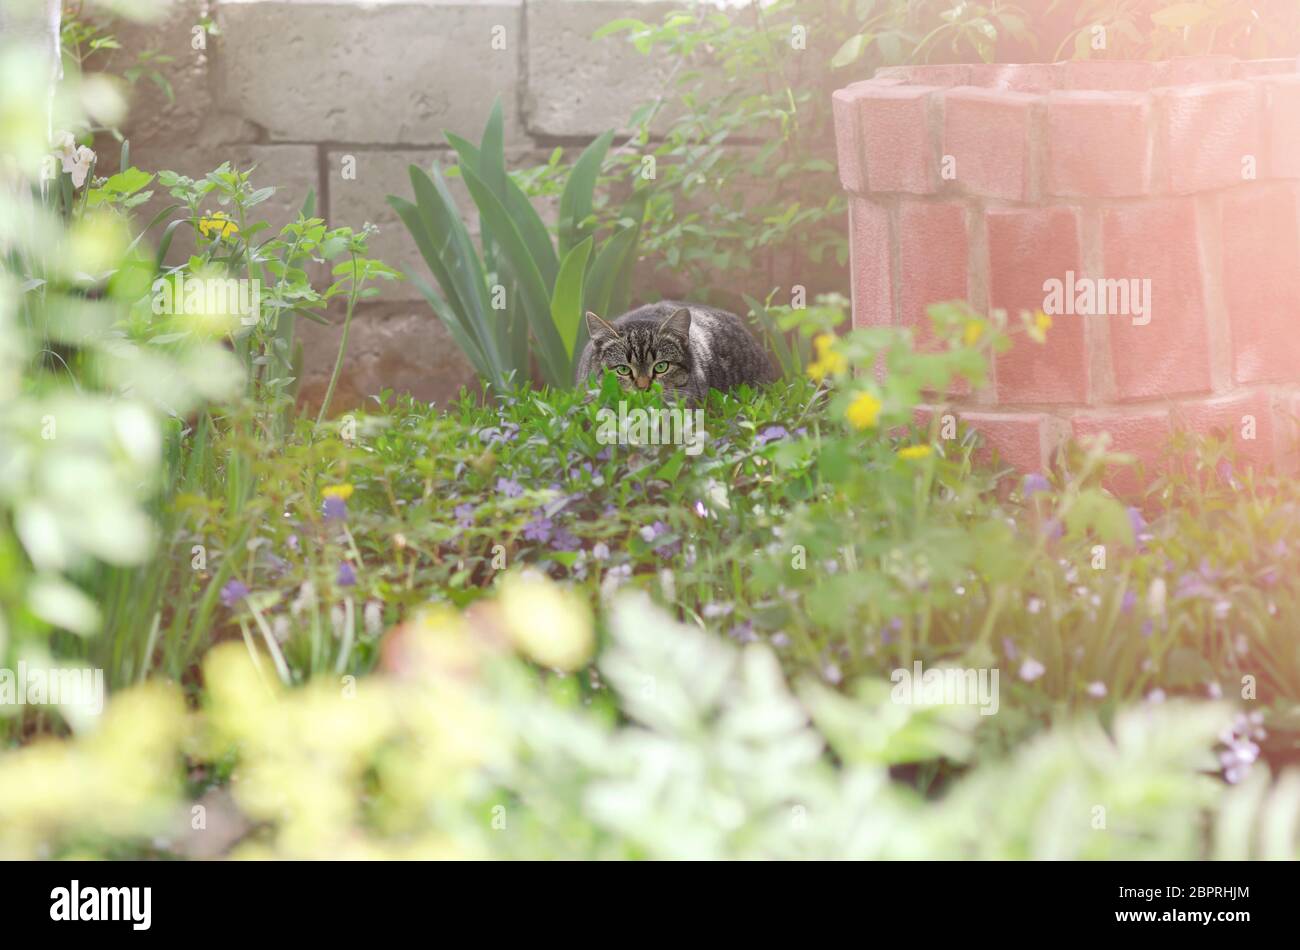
(864, 411)
(550, 624)
(219, 222)
(1042, 323)
(974, 330)
(343, 491)
(914, 452)
(828, 362)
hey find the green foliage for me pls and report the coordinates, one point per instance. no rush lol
(522, 298)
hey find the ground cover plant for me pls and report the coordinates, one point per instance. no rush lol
(523, 624)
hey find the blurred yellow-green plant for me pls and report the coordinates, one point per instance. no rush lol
(460, 750)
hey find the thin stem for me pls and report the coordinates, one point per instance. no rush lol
(343, 344)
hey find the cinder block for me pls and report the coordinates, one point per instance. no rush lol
(403, 347)
(380, 173)
(580, 86)
(192, 115)
(398, 72)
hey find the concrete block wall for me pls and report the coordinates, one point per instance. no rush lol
(985, 183)
(340, 96)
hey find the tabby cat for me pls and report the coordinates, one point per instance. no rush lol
(688, 348)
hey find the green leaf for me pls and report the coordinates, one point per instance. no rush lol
(566, 301)
(530, 225)
(575, 202)
(532, 287)
(850, 50)
(1181, 15)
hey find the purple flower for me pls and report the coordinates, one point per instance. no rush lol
(565, 540)
(509, 487)
(1035, 483)
(292, 543)
(347, 576)
(1225, 472)
(539, 529)
(743, 632)
(770, 434)
(1136, 521)
(334, 508)
(890, 633)
(1129, 601)
(1009, 648)
(1053, 528)
(233, 592)
(464, 514)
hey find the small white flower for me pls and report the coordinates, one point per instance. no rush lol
(1031, 669)
(1097, 690)
(1156, 696)
(1156, 598)
(1214, 690)
(1034, 605)
(373, 613)
(77, 164)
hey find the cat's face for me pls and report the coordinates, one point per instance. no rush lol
(642, 354)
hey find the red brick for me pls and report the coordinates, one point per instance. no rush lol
(848, 137)
(1188, 70)
(1157, 240)
(1026, 248)
(1265, 67)
(942, 75)
(1207, 130)
(1098, 144)
(1018, 77)
(1281, 127)
(1286, 432)
(933, 256)
(896, 138)
(1143, 433)
(1101, 75)
(986, 131)
(869, 244)
(1022, 440)
(1261, 282)
(1229, 416)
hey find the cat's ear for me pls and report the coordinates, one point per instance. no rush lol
(596, 327)
(679, 322)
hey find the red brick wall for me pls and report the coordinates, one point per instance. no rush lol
(984, 182)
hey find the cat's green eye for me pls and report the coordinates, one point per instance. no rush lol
(661, 367)
(623, 370)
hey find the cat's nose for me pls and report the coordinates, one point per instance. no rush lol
(643, 382)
